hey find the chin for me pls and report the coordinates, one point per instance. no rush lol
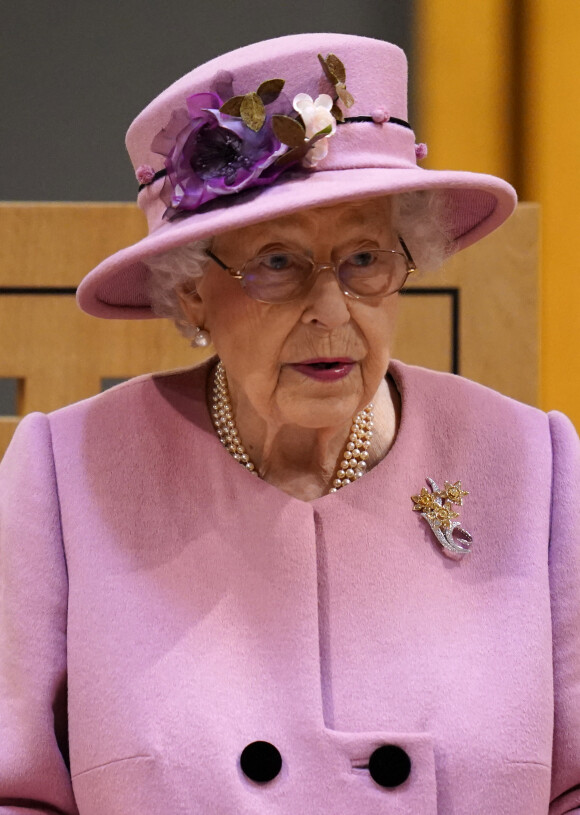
(327, 411)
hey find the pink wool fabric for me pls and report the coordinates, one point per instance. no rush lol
(194, 609)
(364, 160)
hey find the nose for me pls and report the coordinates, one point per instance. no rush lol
(326, 305)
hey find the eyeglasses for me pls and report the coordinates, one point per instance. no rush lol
(280, 277)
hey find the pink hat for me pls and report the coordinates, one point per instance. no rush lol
(230, 144)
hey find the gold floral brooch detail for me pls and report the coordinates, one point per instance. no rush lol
(437, 509)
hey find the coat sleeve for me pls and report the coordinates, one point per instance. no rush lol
(564, 563)
(34, 776)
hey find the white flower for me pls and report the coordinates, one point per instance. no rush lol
(316, 116)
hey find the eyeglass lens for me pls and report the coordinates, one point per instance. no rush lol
(281, 277)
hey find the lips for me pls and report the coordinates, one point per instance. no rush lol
(325, 369)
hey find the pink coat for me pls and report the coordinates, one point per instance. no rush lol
(195, 609)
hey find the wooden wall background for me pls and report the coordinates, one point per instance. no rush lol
(498, 92)
(478, 316)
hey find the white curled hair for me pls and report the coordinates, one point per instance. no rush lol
(419, 217)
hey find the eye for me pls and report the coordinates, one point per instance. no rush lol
(362, 259)
(278, 262)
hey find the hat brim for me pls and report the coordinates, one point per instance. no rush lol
(475, 205)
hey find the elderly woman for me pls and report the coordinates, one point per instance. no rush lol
(300, 577)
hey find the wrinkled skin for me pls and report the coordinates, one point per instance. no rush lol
(294, 427)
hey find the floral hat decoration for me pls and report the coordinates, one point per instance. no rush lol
(214, 147)
(269, 129)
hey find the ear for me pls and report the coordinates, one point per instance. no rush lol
(191, 304)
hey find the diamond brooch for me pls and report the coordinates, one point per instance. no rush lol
(436, 507)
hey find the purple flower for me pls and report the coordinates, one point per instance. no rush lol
(209, 154)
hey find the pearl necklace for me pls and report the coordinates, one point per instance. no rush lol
(353, 460)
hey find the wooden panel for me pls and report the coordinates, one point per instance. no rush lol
(494, 95)
(57, 244)
(425, 330)
(498, 284)
(7, 428)
(551, 174)
(62, 354)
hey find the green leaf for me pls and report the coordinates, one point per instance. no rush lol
(232, 106)
(317, 136)
(270, 90)
(288, 130)
(336, 67)
(252, 111)
(326, 131)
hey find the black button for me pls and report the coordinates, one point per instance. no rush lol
(389, 765)
(261, 761)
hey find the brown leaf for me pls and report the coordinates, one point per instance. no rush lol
(252, 111)
(288, 130)
(232, 106)
(337, 113)
(336, 67)
(328, 73)
(292, 156)
(270, 90)
(296, 154)
(345, 97)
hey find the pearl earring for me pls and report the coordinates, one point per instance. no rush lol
(201, 338)
(198, 337)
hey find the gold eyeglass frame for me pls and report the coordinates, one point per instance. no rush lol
(317, 267)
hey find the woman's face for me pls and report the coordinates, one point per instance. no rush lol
(262, 344)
